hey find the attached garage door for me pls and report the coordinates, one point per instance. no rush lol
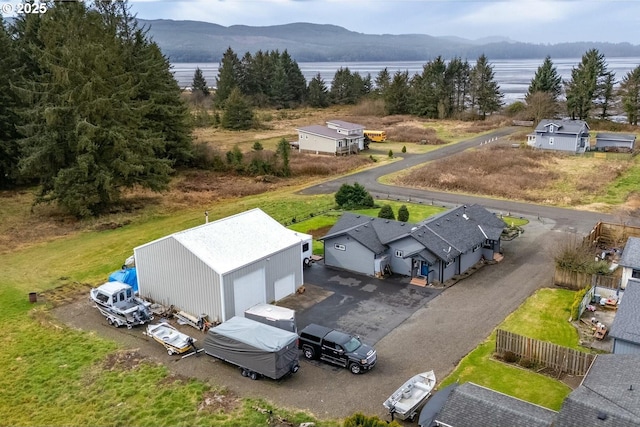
(285, 286)
(248, 291)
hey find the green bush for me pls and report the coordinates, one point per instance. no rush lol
(404, 148)
(403, 213)
(386, 212)
(510, 357)
(360, 420)
(353, 196)
(390, 154)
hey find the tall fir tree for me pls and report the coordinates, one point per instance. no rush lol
(228, 76)
(238, 114)
(9, 104)
(397, 95)
(199, 83)
(586, 84)
(629, 93)
(484, 88)
(318, 94)
(546, 79)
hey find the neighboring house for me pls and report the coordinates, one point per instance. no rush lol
(223, 267)
(338, 137)
(615, 142)
(625, 329)
(609, 395)
(560, 135)
(433, 251)
(630, 261)
(469, 404)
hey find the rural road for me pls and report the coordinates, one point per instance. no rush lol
(436, 336)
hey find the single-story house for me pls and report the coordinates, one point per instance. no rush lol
(630, 261)
(625, 329)
(221, 268)
(615, 142)
(337, 137)
(561, 135)
(469, 404)
(432, 251)
(607, 397)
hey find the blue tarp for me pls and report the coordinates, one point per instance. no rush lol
(126, 275)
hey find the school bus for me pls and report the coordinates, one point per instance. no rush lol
(375, 135)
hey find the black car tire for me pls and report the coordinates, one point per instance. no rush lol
(308, 352)
(355, 368)
(253, 375)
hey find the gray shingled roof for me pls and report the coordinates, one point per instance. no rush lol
(626, 324)
(572, 127)
(322, 131)
(472, 405)
(345, 125)
(626, 137)
(631, 253)
(609, 395)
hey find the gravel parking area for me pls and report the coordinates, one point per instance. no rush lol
(430, 332)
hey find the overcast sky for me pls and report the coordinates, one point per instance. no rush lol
(535, 21)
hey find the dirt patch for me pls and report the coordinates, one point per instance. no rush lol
(319, 232)
(124, 360)
(217, 401)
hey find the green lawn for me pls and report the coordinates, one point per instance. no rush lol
(542, 316)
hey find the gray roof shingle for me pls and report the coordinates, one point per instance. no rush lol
(626, 137)
(322, 131)
(608, 396)
(631, 253)
(626, 324)
(345, 125)
(572, 127)
(473, 405)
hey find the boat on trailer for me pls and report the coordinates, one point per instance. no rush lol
(118, 303)
(172, 339)
(407, 400)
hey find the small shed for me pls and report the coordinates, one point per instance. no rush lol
(615, 142)
(221, 268)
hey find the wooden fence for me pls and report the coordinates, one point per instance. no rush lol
(576, 280)
(561, 359)
(611, 235)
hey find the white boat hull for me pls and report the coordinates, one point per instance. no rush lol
(407, 400)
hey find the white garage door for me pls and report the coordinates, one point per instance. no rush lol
(248, 291)
(285, 286)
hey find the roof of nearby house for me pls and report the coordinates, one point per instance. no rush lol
(626, 324)
(473, 405)
(608, 396)
(322, 131)
(616, 136)
(372, 233)
(573, 127)
(446, 235)
(233, 242)
(631, 253)
(345, 125)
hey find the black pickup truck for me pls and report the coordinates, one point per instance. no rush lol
(329, 345)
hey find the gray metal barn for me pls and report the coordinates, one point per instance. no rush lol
(222, 268)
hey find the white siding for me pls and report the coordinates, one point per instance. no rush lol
(316, 144)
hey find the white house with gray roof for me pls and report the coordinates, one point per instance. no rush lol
(337, 137)
(223, 267)
(432, 251)
(561, 135)
(630, 261)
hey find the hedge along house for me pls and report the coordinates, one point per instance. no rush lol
(338, 137)
(434, 250)
(561, 135)
(223, 267)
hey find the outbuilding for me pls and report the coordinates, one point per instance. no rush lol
(221, 268)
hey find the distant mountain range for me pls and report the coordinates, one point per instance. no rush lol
(195, 41)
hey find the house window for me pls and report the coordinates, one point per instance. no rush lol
(398, 254)
(551, 141)
(551, 128)
(339, 247)
(635, 274)
(305, 247)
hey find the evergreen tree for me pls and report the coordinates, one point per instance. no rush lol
(605, 95)
(629, 93)
(353, 196)
(86, 133)
(432, 91)
(238, 114)
(459, 73)
(586, 84)
(546, 80)
(284, 152)
(403, 213)
(318, 93)
(386, 212)
(485, 91)
(342, 90)
(229, 72)
(9, 103)
(199, 83)
(382, 82)
(396, 99)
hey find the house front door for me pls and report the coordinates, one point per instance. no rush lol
(424, 269)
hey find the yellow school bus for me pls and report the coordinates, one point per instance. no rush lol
(375, 135)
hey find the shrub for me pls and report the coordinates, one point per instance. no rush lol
(510, 357)
(360, 420)
(390, 154)
(386, 212)
(257, 146)
(404, 148)
(403, 213)
(526, 363)
(353, 196)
